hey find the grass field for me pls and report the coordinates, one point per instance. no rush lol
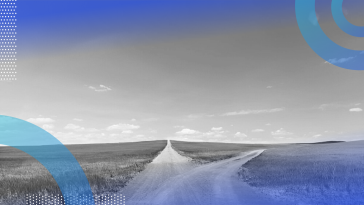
(205, 152)
(108, 168)
(331, 173)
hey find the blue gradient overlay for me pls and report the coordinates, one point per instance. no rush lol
(323, 45)
(58, 160)
(63, 24)
(342, 22)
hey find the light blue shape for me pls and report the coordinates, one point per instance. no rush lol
(342, 22)
(58, 160)
(323, 45)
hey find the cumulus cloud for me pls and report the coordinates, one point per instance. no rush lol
(78, 120)
(40, 120)
(187, 131)
(74, 127)
(281, 132)
(247, 112)
(257, 130)
(48, 126)
(101, 88)
(269, 86)
(216, 128)
(239, 134)
(356, 110)
(122, 127)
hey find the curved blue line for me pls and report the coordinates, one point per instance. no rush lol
(58, 160)
(323, 45)
(342, 22)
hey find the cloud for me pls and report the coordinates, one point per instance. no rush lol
(78, 128)
(337, 105)
(339, 60)
(91, 130)
(133, 120)
(101, 88)
(40, 120)
(314, 18)
(269, 86)
(127, 132)
(178, 126)
(345, 11)
(122, 127)
(239, 134)
(248, 112)
(74, 127)
(258, 130)
(48, 126)
(187, 131)
(356, 110)
(78, 120)
(281, 132)
(216, 128)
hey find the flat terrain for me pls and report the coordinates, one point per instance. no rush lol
(172, 179)
(205, 152)
(108, 168)
(326, 173)
(191, 173)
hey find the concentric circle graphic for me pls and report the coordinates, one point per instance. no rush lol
(342, 22)
(323, 45)
(55, 157)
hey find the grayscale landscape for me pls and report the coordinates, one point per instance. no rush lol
(197, 173)
(184, 102)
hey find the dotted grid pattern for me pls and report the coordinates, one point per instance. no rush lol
(79, 200)
(7, 40)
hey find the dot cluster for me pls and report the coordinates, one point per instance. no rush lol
(77, 199)
(7, 40)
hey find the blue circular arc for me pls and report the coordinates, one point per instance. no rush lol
(320, 43)
(342, 22)
(51, 153)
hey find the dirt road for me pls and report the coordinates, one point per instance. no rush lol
(172, 179)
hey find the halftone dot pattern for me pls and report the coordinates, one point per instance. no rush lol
(7, 40)
(106, 199)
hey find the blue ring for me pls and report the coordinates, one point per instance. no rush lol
(342, 22)
(323, 45)
(58, 160)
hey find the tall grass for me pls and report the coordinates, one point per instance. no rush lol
(108, 168)
(310, 174)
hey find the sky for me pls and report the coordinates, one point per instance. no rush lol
(226, 71)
